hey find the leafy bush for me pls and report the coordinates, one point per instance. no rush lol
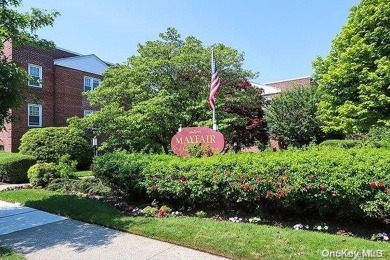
(326, 181)
(291, 117)
(198, 150)
(67, 167)
(342, 143)
(41, 174)
(122, 172)
(14, 167)
(91, 186)
(378, 136)
(50, 143)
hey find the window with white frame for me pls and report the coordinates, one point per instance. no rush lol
(34, 115)
(90, 83)
(35, 73)
(89, 112)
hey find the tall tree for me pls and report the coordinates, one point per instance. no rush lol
(291, 117)
(166, 85)
(20, 28)
(354, 78)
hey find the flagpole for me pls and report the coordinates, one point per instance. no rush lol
(214, 120)
(213, 88)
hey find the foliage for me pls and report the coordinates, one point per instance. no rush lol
(319, 181)
(50, 143)
(232, 240)
(291, 117)
(149, 211)
(200, 214)
(66, 167)
(41, 174)
(342, 143)
(14, 167)
(198, 150)
(167, 85)
(90, 186)
(20, 28)
(354, 78)
(9, 254)
(121, 172)
(378, 136)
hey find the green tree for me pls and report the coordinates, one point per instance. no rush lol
(166, 85)
(354, 78)
(291, 117)
(19, 28)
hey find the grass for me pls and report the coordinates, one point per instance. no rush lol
(83, 173)
(6, 253)
(240, 241)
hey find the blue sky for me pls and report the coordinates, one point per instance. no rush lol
(280, 38)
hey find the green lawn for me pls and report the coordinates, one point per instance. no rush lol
(83, 173)
(8, 254)
(236, 240)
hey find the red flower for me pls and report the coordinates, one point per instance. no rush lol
(160, 214)
(323, 187)
(373, 184)
(268, 194)
(282, 193)
(311, 177)
(381, 184)
(334, 195)
(309, 187)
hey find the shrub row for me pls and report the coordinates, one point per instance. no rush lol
(323, 181)
(14, 167)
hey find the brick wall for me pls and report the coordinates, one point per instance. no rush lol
(68, 94)
(60, 95)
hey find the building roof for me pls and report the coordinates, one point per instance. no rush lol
(289, 83)
(268, 90)
(88, 63)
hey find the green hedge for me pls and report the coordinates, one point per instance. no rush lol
(14, 167)
(324, 181)
(342, 143)
(50, 143)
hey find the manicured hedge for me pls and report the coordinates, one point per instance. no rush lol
(324, 181)
(50, 143)
(14, 167)
(342, 143)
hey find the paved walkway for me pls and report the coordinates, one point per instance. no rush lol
(41, 235)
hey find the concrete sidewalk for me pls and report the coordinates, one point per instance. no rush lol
(41, 235)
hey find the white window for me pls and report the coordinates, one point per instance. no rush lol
(90, 83)
(35, 73)
(34, 115)
(89, 112)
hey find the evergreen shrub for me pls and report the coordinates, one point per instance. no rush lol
(50, 143)
(14, 167)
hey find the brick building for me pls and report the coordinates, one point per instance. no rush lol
(54, 94)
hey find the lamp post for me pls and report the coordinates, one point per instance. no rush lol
(94, 131)
(95, 146)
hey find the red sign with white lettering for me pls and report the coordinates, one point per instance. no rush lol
(204, 136)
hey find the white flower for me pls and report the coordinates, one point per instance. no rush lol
(319, 228)
(326, 227)
(307, 226)
(298, 226)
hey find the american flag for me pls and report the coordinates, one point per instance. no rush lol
(215, 83)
